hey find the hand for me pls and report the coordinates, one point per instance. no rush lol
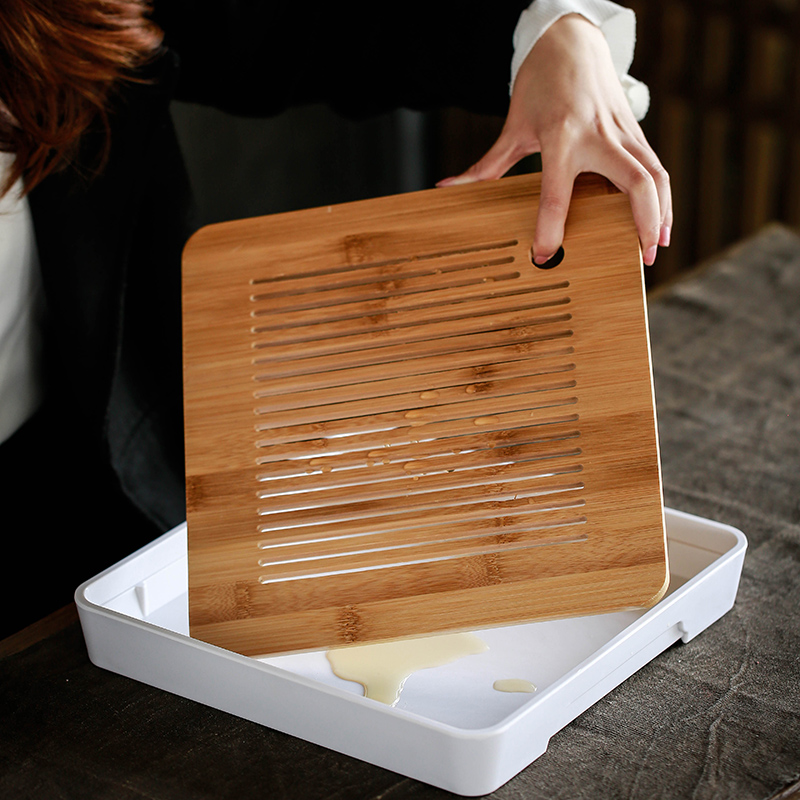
(568, 104)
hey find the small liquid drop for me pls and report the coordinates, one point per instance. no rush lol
(471, 389)
(414, 413)
(514, 685)
(490, 420)
(431, 395)
(382, 669)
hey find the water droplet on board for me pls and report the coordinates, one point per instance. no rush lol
(430, 395)
(488, 420)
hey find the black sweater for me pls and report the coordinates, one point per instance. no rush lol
(110, 245)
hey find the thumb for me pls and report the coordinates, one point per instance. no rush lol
(498, 160)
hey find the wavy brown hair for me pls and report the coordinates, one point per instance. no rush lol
(60, 60)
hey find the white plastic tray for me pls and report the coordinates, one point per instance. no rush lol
(450, 727)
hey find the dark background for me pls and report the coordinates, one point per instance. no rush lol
(724, 77)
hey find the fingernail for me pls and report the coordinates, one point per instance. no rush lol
(539, 259)
(663, 240)
(650, 255)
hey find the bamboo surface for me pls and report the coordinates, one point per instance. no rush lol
(397, 425)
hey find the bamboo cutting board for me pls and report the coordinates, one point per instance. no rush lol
(397, 425)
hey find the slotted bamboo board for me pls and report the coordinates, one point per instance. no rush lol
(397, 425)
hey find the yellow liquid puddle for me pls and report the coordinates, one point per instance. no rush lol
(514, 685)
(383, 668)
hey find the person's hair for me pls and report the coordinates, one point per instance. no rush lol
(60, 60)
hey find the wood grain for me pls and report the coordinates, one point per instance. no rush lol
(397, 425)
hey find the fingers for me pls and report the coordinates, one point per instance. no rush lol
(499, 159)
(642, 153)
(556, 193)
(612, 144)
(634, 169)
(651, 205)
(633, 179)
(638, 174)
(625, 158)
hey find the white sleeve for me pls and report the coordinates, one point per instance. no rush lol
(618, 24)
